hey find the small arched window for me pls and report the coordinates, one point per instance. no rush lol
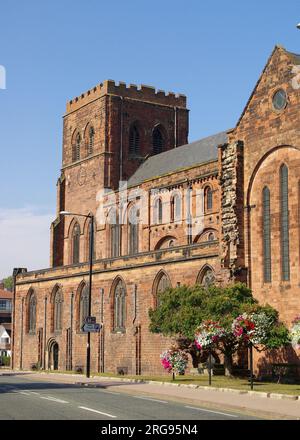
(91, 140)
(115, 234)
(134, 141)
(211, 236)
(76, 244)
(176, 208)
(83, 305)
(157, 141)
(158, 211)
(284, 223)
(119, 307)
(133, 224)
(32, 313)
(208, 199)
(57, 311)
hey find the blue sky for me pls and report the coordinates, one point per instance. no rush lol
(212, 51)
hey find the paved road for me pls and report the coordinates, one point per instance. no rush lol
(22, 398)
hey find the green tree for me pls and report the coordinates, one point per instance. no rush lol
(182, 309)
(8, 283)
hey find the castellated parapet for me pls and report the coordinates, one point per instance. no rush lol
(131, 91)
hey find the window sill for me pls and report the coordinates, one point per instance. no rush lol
(119, 331)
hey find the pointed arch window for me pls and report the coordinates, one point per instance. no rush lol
(208, 199)
(206, 277)
(87, 242)
(284, 223)
(267, 235)
(158, 211)
(119, 307)
(162, 284)
(115, 235)
(157, 141)
(133, 230)
(134, 141)
(83, 305)
(32, 313)
(57, 321)
(76, 244)
(91, 140)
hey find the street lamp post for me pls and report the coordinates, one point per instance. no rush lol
(91, 253)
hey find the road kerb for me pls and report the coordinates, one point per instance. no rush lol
(283, 396)
(276, 396)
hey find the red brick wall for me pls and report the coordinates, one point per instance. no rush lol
(270, 139)
(119, 347)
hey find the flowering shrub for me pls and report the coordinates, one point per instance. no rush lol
(295, 332)
(174, 360)
(208, 334)
(263, 325)
(254, 327)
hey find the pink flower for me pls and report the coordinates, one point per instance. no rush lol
(199, 346)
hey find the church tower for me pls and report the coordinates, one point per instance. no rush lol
(107, 133)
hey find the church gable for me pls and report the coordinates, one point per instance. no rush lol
(274, 97)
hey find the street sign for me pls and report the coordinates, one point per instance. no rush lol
(90, 320)
(91, 328)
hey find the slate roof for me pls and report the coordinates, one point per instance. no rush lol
(186, 156)
(5, 294)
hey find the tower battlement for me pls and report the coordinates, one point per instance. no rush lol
(132, 91)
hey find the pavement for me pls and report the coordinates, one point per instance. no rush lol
(70, 396)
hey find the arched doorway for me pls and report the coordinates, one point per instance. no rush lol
(53, 355)
(55, 351)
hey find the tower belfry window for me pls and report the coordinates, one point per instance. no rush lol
(91, 140)
(158, 141)
(76, 147)
(134, 141)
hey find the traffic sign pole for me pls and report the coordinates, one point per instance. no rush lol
(88, 348)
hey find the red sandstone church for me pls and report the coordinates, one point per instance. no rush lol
(250, 178)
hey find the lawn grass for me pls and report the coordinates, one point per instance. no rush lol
(202, 380)
(220, 382)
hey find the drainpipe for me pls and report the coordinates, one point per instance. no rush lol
(21, 338)
(45, 331)
(121, 140)
(189, 215)
(149, 220)
(71, 333)
(13, 323)
(102, 331)
(175, 127)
